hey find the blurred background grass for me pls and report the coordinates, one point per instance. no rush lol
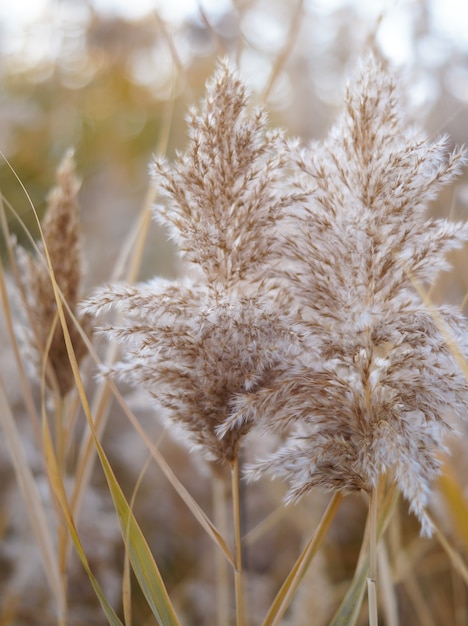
(114, 80)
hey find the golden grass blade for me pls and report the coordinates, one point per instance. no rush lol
(40, 525)
(132, 253)
(266, 524)
(290, 585)
(191, 503)
(23, 380)
(101, 400)
(453, 555)
(144, 566)
(455, 499)
(59, 492)
(238, 577)
(100, 409)
(348, 611)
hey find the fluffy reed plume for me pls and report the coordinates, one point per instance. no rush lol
(380, 385)
(61, 230)
(195, 344)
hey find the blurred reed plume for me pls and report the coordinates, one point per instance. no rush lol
(62, 239)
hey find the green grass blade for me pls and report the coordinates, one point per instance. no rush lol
(290, 585)
(193, 506)
(59, 492)
(144, 566)
(348, 611)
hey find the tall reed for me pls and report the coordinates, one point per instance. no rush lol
(300, 334)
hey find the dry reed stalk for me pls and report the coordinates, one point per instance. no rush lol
(238, 579)
(221, 566)
(315, 330)
(62, 237)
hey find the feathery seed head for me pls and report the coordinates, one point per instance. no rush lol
(226, 192)
(338, 352)
(195, 344)
(194, 350)
(384, 384)
(61, 230)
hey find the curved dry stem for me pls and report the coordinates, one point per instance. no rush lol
(34, 505)
(372, 576)
(221, 566)
(286, 593)
(238, 579)
(285, 50)
(132, 253)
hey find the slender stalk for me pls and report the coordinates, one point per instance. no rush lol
(350, 608)
(372, 577)
(387, 587)
(7, 315)
(288, 589)
(59, 416)
(237, 543)
(221, 566)
(284, 53)
(62, 528)
(34, 505)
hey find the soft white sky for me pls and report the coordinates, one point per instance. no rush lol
(24, 11)
(450, 17)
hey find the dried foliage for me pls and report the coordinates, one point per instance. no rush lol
(62, 238)
(300, 337)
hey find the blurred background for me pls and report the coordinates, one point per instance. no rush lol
(114, 79)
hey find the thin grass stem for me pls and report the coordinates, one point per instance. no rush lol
(133, 253)
(196, 510)
(238, 578)
(126, 576)
(221, 566)
(23, 379)
(32, 498)
(387, 587)
(266, 524)
(372, 576)
(288, 589)
(285, 51)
